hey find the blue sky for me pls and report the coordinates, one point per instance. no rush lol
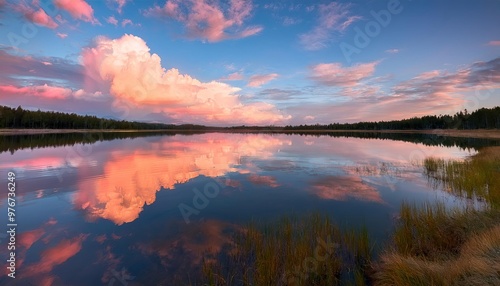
(221, 62)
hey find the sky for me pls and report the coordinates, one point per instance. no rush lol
(235, 62)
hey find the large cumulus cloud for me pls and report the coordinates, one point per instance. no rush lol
(135, 76)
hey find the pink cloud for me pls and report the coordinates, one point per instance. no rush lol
(333, 17)
(112, 20)
(206, 20)
(263, 180)
(432, 92)
(494, 43)
(137, 77)
(26, 239)
(345, 187)
(79, 9)
(114, 198)
(126, 22)
(233, 76)
(334, 74)
(120, 3)
(56, 255)
(261, 79)
(49, 92)
(46, 91)
(62, 35)
(37, 16)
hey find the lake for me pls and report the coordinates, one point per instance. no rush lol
(104, 209)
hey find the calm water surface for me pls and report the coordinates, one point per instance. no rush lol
(143, 211)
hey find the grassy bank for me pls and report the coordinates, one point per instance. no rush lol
(474, 178)
(431, 244)
(436, 246)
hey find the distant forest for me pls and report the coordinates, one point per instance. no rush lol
(483, 118)
(21, 118)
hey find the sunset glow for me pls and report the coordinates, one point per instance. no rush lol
(236, 62)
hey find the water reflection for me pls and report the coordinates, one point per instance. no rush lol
(132, 178)
(341, 188)
(111, 210)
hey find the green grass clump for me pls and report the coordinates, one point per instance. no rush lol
(306, 251)
(477, 177)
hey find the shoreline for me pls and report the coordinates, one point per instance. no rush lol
(474, 133)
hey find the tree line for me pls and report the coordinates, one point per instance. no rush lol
(22, 118)
(484, 118)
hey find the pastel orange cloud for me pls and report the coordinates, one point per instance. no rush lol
(137, 77)
(79, 9)
(131, 181)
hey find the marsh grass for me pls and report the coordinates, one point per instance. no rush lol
(311, 250)
(432, 244)
(436, 246)
(477, 177)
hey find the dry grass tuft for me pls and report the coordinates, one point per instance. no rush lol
(465, 250)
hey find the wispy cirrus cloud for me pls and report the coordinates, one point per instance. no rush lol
(335, 74)
(207, 20)
(78, 9)
(494, 43)
(436, 84)
(62, 35)
(261, 79)
(332, 18)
